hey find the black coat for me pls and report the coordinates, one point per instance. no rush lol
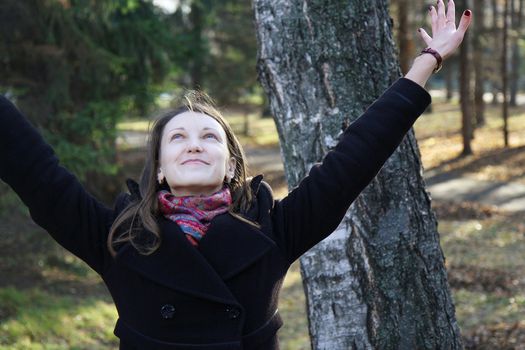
(223, 294)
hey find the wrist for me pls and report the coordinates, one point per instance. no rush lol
(439, 60)
(421, 69)
(425, 63)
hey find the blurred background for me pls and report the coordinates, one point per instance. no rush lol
(91, 75)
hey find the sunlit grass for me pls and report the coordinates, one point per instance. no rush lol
(490, 243)
(34, 319)
(440, 142)
(294, 334)
(474, 308)
(487, 256)
(135, 125)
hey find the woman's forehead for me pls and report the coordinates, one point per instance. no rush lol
(193, 121)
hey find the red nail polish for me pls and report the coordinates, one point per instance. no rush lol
(430, 8)
(419, 30)
(468, 13)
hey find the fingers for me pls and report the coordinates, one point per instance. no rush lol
(433, 18)
(441, 18)
(424, 35)
(465, 22)
(451, 12)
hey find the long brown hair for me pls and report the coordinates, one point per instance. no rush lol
(137, 223)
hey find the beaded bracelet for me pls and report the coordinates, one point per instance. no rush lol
(436, 55)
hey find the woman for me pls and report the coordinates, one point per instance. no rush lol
(195, 256)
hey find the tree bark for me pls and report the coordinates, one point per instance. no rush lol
(517, 16)
(504, 74)
(197, 27)
(496, 83)
(449, 77)
(379, 281)
(405, 35)
(465, 90)
(479, 66)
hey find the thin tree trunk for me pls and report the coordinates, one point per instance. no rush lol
(496, 83)
(449, 81)
(504, 74)
(517, 15)
(406, 35)
(479, 70)
(197, 27)
(466, 91)
(378, 282)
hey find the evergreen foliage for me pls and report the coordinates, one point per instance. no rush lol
(75, 67)
(219, 36)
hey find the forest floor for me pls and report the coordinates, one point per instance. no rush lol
(51, 300)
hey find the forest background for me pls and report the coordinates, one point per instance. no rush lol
(91, 75)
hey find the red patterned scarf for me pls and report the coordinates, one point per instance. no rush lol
(194, 213)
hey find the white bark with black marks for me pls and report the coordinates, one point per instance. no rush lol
(378, 282)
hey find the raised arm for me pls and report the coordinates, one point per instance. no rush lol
(55, 198)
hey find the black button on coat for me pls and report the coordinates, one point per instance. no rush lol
(223, 294)
(167, 311)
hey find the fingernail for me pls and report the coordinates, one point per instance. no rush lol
(468, 13)
(419, 30)
(430, 8)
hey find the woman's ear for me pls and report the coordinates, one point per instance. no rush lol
(160, 177)
(230, 170)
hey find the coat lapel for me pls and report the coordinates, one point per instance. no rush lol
(231, 246)
(178, 265)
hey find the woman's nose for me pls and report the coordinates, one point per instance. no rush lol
(194, 147)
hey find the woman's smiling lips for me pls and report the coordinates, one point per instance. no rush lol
(195, 161)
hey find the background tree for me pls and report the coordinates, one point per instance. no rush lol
(496, 51)
(405, 35)
(516, 15)
(379, 281)
(478, 48)
(465, 90)
(217, 49)
(505, 73)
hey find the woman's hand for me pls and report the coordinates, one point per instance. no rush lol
(446, 37)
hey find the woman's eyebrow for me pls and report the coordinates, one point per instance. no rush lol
(177, 128)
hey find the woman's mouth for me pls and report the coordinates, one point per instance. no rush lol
(194, 161)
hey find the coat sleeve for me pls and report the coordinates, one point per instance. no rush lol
(317, 205)
(56, 200)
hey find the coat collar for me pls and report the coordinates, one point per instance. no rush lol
(229, 247)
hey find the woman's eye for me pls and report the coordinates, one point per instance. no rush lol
(211, 136)
(176, 136)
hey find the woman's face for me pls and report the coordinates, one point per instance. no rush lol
(194, 156)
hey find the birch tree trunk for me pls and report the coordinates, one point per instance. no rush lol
(378, 282)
